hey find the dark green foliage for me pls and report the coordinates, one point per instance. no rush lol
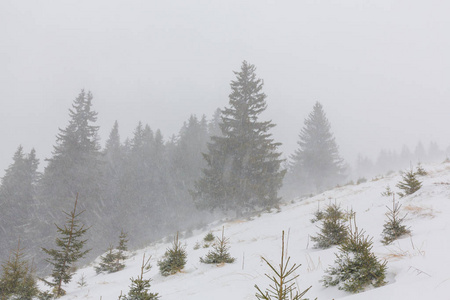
(111, 262)
(316, 164)
(333, 230)
(243, 166)
(356, 267)
(209, 237)
(140, 287)
(409, 184)
(284, 280)
(69, 250)
(174, 259)
(219, 254)
(17, 280)
(45, 296)
(393, 228)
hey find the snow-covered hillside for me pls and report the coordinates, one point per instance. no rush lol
(418, 266)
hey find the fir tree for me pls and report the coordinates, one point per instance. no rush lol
(69, 250)
(17, 280)
(122, 247)
(18, 201)
(220, 253)
(316, 163)
(356, 267)
(243, 166)
(393, 227)
(140, 287)
(214, 123)
(333, 230)
(174, 259)
(209, 237)
(409, 184)
(110, 263)
(76, 163)
(188, 159)
(113, 171)
(284, 280)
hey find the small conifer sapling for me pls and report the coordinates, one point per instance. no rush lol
(333, 230)
(111, 262)
(393, 228)
(318, 214)
(387, 192)
(140, 287)
(409, 184)
(219, 254)
(209, 237)
(356, 267)
(174, 259)
(420, 170)
(69, 250)
(283, 285)
(17, 280)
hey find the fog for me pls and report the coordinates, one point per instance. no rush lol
(380, 68)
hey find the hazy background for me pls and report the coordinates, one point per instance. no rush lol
(380, 68)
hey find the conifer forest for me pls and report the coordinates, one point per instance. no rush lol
(144, 143)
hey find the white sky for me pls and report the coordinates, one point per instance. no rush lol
(380, 68)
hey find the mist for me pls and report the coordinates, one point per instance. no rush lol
(380, 68)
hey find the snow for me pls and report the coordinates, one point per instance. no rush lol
(418, 265)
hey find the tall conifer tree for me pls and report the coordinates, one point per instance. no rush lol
(75, 166)
(317, 163)
(243, 166)
(17, 201)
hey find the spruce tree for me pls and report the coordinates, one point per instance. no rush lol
(110, 262)
(18, 202)
(17, 280)
(69, 250)
(147, 194)
(140, 287)
(174, 259)
(75, 165)
(356, 266)
(409, 184)
(333, 230)
(113, 166)
(220, 253)
(122, 247)
(284, 279)
(393, 227)
(243, 166)
(316, 164)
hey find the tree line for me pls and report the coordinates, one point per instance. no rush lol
(151, 186)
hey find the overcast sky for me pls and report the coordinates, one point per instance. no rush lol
(380, 68)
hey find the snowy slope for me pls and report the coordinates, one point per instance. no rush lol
(418, 266)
